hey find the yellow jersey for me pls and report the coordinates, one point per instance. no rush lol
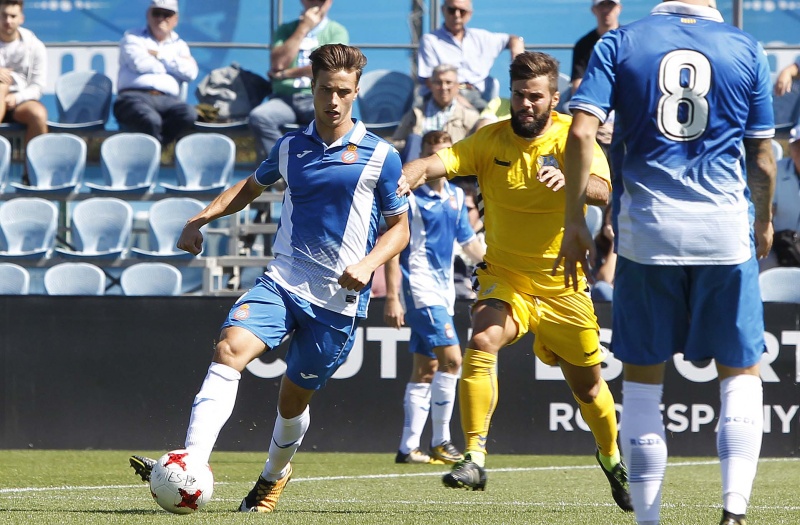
(524, 219)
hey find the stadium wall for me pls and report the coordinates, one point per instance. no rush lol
(121, 373)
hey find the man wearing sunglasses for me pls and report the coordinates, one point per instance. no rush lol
(473, 51)
(153, 64)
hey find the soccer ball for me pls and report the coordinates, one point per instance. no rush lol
(179, 484)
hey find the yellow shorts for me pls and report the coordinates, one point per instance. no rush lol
(564, 327)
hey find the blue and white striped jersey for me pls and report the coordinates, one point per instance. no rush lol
(331, 211)
(436, 220)
(687, 88)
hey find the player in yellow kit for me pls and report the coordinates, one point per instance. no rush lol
(519, 166)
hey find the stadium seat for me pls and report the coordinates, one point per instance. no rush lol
(83, 101)
(14, 279)
(5, 161)
(777, 150)
(565, 92)
(594, 219)
(28, 227)
(130, 163)
(780, 285)
(491, 90)
(74, 278)
(384, 97)
(56, 162)
(204, 163)
(221, 127)
(101, 228)
(154, 278)
(166, 219)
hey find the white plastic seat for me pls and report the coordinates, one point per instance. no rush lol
(83, 101)
(204, 163)
(151, 278)
(75, 278)
(780, 285)
(101, 229)
(383, 98)
(28, 227)
(14, 279)
(166, 219)
(129, 162)
(56, 163)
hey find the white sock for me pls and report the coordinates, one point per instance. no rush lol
(286, 438)
(644, 447)
(443, 397)
(211, 409)
(417, 404)
(741, 428)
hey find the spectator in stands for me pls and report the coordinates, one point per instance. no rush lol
(290, 70)
(341, 179)
(607, 14)
(425, 301)
(23, 66)
(473, 51)
(442, 112)
(153, 64)
(786, 201)
(606, 260)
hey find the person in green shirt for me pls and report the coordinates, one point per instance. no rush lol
(290, 71)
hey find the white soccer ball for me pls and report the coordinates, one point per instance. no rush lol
(180, 484)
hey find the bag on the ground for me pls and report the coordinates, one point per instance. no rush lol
(233, 91)
(786, 245)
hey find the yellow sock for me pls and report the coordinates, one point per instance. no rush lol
(477, 399)
(602, 420)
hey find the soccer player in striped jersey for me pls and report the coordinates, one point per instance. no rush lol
(340, 179)
(693, 181)
(438, 219)
(518, 164)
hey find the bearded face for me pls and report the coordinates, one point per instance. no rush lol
(528, 123)
(531, 104)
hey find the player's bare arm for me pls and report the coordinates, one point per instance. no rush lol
(419, 171)
(577, 245)
(393, 314)
(761, 170)
(356, 276)
(230, 201)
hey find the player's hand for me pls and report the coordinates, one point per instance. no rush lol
(577, 247)
(355, 277)
(764, 234)
(393, 314)
(403, 188)
(783, 84)
(191, 240)
(551, 177)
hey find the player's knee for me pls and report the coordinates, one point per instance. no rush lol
(485, 342)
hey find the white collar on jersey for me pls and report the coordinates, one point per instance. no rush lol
(679, 8)
(354, 136)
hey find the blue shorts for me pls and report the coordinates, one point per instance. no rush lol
(321, 339)
(430, 327)
(702, 311)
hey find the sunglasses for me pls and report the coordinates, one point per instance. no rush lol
(161, 13)
(454, 10)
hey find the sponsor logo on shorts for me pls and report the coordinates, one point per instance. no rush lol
(242, 313)
(590, 354)
(308, 376)
(448, 330)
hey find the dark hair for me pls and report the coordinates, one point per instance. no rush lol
(337, 57)
(20, 3)
(532, 64)
(433, 138)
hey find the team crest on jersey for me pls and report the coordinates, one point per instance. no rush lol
(242, 313)
(350, 155)
(448, 331)
(547, 160)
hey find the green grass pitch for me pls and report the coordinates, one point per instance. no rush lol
(98, 487)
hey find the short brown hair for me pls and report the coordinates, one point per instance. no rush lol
(433, 138)
(337, 57)
(532, 64)
(20, 3)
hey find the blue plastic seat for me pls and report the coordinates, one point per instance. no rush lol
(204, 163)
(151, 278)
(28, 227)
(130, 163)
(101, 229)
(777, 150)
(56, 162)
(491, 90)
(74, 278)
(780, 285)
(14, 279)
(83, 101)
(5, 161)
(383, 98)
(594, 219)
(166, 219)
